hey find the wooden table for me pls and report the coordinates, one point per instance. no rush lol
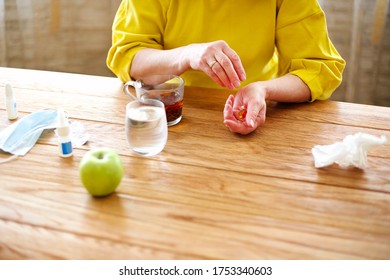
(210, 194)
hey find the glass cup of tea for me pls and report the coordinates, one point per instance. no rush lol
(169, 89)
(146, 126)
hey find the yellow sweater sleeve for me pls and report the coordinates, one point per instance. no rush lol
(304, 48)
(137, 25)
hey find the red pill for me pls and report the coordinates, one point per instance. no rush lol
(240, 115)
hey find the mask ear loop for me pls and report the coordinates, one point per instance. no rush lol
(8, 159)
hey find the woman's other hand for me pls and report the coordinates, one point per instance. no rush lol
(246, 111)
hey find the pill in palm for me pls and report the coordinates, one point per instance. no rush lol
(240, 115)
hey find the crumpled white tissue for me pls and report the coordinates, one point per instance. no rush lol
(78, 135)
(351, 151)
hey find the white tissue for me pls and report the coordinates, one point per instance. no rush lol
(78, 135)
(351, 151)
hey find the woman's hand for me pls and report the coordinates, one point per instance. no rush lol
(218, 61)
(250, 99)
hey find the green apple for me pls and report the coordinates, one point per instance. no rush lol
(101, 171)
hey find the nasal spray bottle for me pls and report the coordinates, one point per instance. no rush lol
(12, 111)
(63, 132)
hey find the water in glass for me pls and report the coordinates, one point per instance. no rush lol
(146, 127)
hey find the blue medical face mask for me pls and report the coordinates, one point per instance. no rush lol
(22, 135)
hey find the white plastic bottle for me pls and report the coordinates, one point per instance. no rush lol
(12, 111)
(63, 132)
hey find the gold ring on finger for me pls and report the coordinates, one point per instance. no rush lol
(211, 64)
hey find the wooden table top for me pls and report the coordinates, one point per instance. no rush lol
(210, 194)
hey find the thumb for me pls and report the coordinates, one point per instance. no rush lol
(256, 114)
(252, 113)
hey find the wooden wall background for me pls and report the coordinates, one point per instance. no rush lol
(74, 36)
(61, 35)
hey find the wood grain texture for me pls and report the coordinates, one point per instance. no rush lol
(210, 194)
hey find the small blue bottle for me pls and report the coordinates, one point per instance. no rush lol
(63, 132)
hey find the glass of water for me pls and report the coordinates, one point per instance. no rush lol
(146, 126)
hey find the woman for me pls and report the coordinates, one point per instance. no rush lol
(275, 50)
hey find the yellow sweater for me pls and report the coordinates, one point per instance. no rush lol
(272, 37)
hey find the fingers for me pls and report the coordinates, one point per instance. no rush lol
(224, 66)
(223, 72)
(214, 76)
(228, 110)
(238, 127)
(236, 62)
(255, 114)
